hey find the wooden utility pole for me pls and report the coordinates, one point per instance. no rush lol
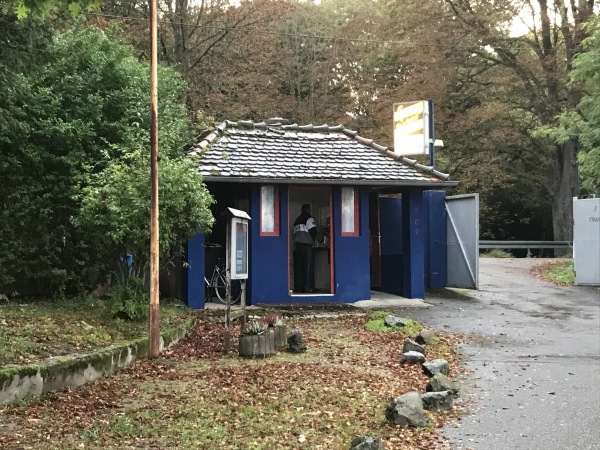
(154, 305)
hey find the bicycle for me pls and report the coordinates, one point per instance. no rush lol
(218, 285)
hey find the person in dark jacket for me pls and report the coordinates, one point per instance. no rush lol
(305, 232)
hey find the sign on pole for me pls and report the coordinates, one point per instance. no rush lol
(413, 128)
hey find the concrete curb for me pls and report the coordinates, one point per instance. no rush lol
(60, 372)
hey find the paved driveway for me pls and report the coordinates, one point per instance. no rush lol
(534, 352)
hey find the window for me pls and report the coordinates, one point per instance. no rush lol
(269, 211)
(349, 211)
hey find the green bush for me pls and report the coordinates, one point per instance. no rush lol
(129, 301)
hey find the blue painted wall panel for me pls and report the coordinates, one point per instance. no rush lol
(351, 253)
(436, 250)
(194, 275)
(269, 269)
(413, 244)
(392, 262)
(403, 229)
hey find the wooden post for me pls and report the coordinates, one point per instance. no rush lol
(243, 305)
(228, 288)
(154, 303)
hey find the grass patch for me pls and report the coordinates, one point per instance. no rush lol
(561, 272)
(496, 253)
(34, 330)
(376, 322)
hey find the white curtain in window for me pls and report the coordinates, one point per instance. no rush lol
(348, 210)
(267, 210)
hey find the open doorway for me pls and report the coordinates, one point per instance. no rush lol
(319, 200)
(375, 241)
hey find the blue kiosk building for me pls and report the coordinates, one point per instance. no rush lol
(381, 215)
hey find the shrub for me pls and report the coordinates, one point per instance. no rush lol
(129, 301)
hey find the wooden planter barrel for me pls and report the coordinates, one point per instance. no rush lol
(253, 345)
(280, 333)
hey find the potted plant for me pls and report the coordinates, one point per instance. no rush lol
(275, 322)
(257, 340)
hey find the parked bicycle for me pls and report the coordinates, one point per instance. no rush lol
(217, 285)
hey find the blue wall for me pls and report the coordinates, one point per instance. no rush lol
(352, 280)
(436, 248)
(269, 272)
(413, 244)
(193, 277)
(402, 226)
(269, 264)
(412, 238)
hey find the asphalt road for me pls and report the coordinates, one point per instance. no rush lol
(534, 353)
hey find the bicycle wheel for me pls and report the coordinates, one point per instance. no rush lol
(236, 291)
(221, 288)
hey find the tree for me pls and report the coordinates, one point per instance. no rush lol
(80, 105)
(584, 121)
(24, 8)
(539, 62)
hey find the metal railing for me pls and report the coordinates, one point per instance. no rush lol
(526, 245)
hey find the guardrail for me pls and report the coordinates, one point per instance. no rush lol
(486, 245)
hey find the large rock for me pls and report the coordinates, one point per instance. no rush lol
(412, 346)
(436, 401)
(295, 342)
(395, 321)
(366, 443)
(426, 337)
(441, 383)
(412, 358)
(436, 366)
(407, 411)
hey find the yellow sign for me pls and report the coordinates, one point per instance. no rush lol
(411, 128)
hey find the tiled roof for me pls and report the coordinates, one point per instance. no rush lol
(278, 152)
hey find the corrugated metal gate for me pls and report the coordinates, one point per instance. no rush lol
(462, 222)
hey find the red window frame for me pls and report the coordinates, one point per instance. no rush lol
(356, 231)
(276, 229)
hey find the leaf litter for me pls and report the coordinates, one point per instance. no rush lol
(195, 397)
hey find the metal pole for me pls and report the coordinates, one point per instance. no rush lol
(431, 135)
(154, 304)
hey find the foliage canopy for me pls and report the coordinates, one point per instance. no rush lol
(72, 122)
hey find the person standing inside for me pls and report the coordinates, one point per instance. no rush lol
(305, 232)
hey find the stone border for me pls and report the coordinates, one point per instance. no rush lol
(60, 372)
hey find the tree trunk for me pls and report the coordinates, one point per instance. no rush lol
(564, 185)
